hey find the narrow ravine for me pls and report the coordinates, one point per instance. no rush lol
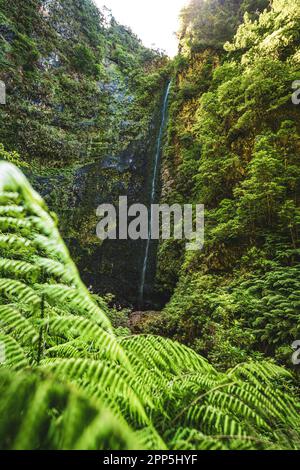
(153, 192)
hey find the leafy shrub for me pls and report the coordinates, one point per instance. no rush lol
(12, 157)
(84, 60)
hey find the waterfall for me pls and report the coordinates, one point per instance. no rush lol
(153, 191)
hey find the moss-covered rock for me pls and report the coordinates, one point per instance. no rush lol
(83, 97)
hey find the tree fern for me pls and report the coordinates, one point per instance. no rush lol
(67, 382)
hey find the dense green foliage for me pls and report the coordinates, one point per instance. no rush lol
(234, 145)
(83, 94)
(67, 382)
(211, 23)
(61, 60)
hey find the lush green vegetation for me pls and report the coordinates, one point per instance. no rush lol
(82, 98)
(213, 370)
(234, 146)
(67, 382)
(61, 60)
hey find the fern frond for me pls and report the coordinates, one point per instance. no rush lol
(13, 322)
(66, 382)
(14, 290)
(14, 354)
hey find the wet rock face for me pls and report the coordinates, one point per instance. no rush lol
(51, 61)
(115, 265)
(7, 33)
(75, 193)
(126, 161)
(84, 98)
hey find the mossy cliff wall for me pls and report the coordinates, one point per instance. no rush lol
(83, 103)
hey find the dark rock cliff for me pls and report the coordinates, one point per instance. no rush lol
(83, 103)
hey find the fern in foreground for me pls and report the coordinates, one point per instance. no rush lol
(67, 382)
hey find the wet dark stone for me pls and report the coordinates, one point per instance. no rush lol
(114, 266)
(7, 33)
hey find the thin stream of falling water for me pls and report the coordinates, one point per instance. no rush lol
(153, 192)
